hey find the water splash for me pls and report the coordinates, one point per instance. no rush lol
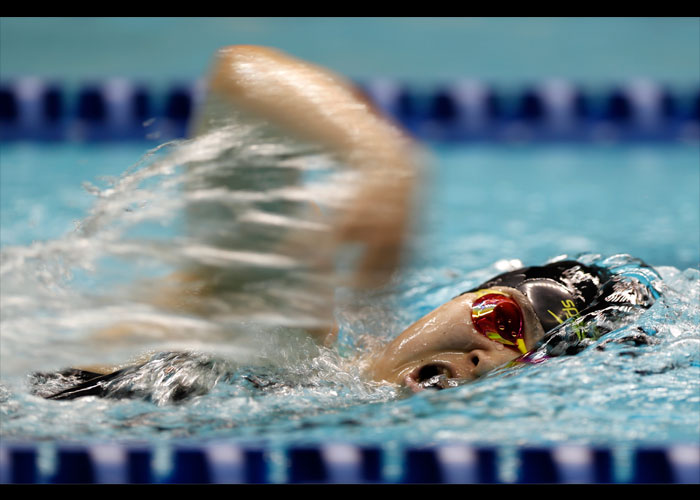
(205, 238)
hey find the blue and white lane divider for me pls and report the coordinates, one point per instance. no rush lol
(120, 109)
(342, 463)
(116, 109)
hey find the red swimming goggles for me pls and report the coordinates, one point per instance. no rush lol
(498, 317)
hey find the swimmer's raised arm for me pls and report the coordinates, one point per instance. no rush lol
(317, 106)
(288, 101)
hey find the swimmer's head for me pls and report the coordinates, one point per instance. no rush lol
(489, 326)
(463, 339)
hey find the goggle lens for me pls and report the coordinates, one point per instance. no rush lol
(498, 317)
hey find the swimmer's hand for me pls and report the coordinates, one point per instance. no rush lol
(317, 106)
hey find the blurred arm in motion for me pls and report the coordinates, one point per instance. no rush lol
(317, 106)
(298, 101)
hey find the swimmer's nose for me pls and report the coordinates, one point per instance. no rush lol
(439, 369)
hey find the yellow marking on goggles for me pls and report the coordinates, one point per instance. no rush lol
(487, 291)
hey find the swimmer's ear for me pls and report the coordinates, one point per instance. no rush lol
(316, 105)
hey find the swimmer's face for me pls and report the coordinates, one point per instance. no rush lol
(446, 342)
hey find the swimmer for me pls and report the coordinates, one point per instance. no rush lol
(522, 316)
(526, 316)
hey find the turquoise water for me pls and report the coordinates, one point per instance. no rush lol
(546, 201)
(486, 208)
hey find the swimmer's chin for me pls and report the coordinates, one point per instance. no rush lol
(409, 386)
(415, 387)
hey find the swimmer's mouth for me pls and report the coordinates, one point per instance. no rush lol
(431, 376)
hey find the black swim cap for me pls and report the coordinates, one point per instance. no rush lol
(557, 291)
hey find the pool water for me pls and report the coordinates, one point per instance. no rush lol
(486, 208)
